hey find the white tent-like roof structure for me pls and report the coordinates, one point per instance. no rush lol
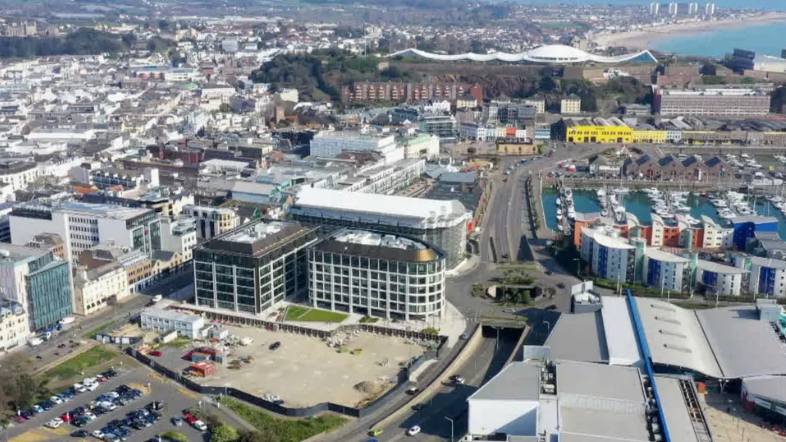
(548, 54)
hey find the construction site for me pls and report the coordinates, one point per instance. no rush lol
(296, 371)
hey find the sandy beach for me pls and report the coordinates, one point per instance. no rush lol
(643, 39)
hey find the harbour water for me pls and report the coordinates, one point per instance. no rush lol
(758, 38)
(639, 205)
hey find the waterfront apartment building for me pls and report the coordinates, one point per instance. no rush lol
(609, 256)
(84, 225)
(714, 278)
(712, 102)
(441, 223)
(211, 221)
(39, 281)
(255, 267)
(14, 325)
(666, 271)
(376, 274)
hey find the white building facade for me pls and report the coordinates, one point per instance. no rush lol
(715, 278)
(609, 256)
(164, 321)
(378, 275)
(99, 288)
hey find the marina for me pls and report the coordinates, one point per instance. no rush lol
(689, 206)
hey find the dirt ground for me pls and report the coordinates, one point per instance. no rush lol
(304, 371)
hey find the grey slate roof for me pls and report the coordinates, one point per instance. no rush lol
(518, 381)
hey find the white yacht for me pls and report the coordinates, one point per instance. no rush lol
(604, 212)
(621, 190)
(558, 201)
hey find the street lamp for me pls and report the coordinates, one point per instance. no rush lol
(451, 428)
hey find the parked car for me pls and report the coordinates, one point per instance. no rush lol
(275, 345)
(80, 433)
(412, 391)
(413, 431)
(98, 434)
(156, 353)
(375, 432)
(199, 425)
(55, 423)
(176, 421)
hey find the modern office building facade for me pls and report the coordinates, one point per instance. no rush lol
(83, 225)
(254, 267)
(39, 281)
(720, 102)
(441, 223)
(374, 274)
(212, 221)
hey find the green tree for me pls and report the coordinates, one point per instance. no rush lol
(223, 433)
(224, 108)
(256, 436)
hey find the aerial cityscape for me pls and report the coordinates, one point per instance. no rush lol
(380, 221)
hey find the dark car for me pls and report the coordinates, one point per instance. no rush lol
(275, 345)
(176, 421)
(418, 407)
(156, 406)
(550, 307)
(80, 433)
(549, 272)
(27, 414)
(80, 422)
(561, 285)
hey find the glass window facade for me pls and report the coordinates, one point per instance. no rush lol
(252, 284)
(376, 286)
(48, 291)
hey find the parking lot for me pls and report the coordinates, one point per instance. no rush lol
(153, 388)
(304, 371)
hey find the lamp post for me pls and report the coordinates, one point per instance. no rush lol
(451, 428)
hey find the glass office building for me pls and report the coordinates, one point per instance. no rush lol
(254, 267)
(376, 274)
(38, 280)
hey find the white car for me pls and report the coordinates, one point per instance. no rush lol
(56, 400)
(113, 394)
(413, 431)
(54, 423)
(199, 425)
(92, 387)
(98, 434)
(79, 388)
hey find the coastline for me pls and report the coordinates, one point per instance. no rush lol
(643, 39)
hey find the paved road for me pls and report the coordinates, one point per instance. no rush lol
(175, 397)
(450, 400)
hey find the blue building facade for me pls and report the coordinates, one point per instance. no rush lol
(746, 226)
(49, 293)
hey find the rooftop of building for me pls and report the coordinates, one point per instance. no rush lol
(709, 266)
(14, 253)
(756, 219)
(387, 205)
(579, 337)
(768, 262)
(171, 315)
(602, 238)
(256, 237)
(526, 378)
(378, 245)
(714, 342)
(353, 135)
(662, 256)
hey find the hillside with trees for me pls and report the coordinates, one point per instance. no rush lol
(84, 41)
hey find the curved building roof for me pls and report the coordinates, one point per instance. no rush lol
(549, 54)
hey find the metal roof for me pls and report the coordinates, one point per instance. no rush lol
(743, 345)
(678, 416)
(618, 329)
(659, 255)
(609, 382)
(709, 266)
(579, 337)
(518, 381)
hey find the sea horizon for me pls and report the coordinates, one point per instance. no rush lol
(757, 37)
(772, 5)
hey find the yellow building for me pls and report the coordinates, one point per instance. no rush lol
(599, 134)
(649, 136)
